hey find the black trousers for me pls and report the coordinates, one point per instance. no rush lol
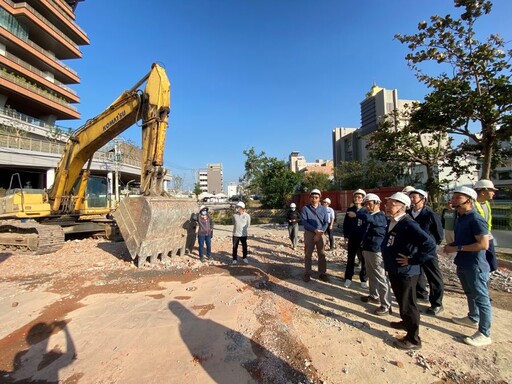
(236, 241)
(354, 249)
(433, 275)
(330, 235)
(404, 288)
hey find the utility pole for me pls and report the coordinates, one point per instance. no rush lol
(116, 169)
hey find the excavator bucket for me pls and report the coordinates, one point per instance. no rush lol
(155, 227)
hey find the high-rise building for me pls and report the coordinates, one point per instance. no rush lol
(211, 179)
(344, 145)
(36, 37)
(349, 144)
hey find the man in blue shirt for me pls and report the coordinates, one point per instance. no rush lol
(315, 220)
(471, 242)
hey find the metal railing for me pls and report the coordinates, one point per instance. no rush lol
(46, 94)
(59, 9)
(43, 51)
(33, 121)
(47, 146)
(37, 71)
(43, 19)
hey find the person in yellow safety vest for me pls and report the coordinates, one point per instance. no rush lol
(485, 191)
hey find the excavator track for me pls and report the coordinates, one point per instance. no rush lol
(30, 237)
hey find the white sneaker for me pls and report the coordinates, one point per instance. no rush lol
(364, 285)
(478, 340)
(245, 261)
(466, 321)
(348, 283)
(234, 262)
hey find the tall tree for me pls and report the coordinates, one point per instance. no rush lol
(368, 174)
(402, 139)
(313, 180)
(474, 87)
(197, 190)
(270, 178)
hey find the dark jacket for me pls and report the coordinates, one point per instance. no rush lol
(407, 238)
(375, 229)
(430, 222)
(205, 224)
(353, 227)
(293, 217)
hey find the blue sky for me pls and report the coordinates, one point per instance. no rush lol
(276, 75)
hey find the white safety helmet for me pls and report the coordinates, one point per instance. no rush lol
(359, 192)
(420, 192)
(470, 192)
(240, 204)
(408, 189)
(372, 197)
(484, 184)
(327, 200)
(401, 197)
(315, 192)
(293, 205)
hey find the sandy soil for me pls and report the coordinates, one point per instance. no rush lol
(85, 314)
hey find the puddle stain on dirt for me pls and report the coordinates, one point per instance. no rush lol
(203, 309)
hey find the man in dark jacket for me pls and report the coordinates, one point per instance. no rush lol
(293, 218)
(375, 222)
(405, 248)
(430, 222)
(353, 231)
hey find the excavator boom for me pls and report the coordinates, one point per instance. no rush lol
(153, 225)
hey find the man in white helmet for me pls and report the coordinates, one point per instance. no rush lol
(241, 224)
(375, 222)
(332, 216)
(353, 231)
(471, 242)
(293, 218)
(315, 221)
(485, 191)
(406, 246)
(430, 222)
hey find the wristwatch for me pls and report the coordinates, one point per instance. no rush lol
(460, 248)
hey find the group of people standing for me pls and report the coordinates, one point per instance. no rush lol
(397, 251)
(241, 224)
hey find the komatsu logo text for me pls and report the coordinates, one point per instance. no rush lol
(116, 119)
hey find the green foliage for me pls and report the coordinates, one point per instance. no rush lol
(475, 86)
(314, 180)
(270, 178)
(197, 189)
(402, 139)
(368, 174)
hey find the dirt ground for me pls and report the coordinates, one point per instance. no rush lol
(85, 314)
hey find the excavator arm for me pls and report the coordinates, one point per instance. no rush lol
(152, 106)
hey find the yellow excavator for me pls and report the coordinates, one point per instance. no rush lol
(154, 225)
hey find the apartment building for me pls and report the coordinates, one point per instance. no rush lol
(211, 179)
(349, 144)
(37, 37)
